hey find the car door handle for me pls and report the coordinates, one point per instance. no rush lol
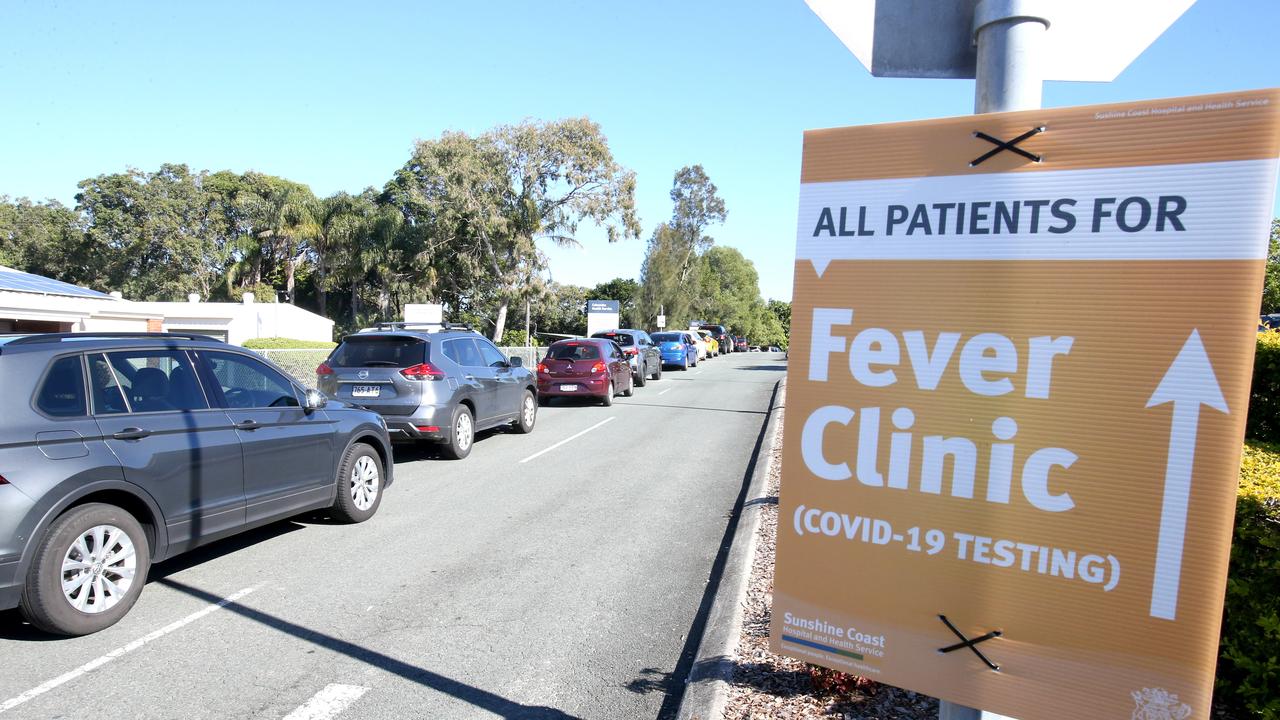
(469, 378)
(248, 425)
(131, 433)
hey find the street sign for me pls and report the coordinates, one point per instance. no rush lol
(602, 315)
(1085, 39)
(1021, 355)
(662, 321)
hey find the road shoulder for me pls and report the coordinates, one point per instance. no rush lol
(707, 686)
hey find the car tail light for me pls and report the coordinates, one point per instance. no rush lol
(598, 367)
(3, 481)
(631, 351)
(542, 367)
(423, 371)
(324, 369)
(428, 428)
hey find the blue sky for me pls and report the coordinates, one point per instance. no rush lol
(334, 94)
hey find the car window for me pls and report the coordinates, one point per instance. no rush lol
(622, 339)
(108, 396)
(250, 383)
(666, 337)
(574, 351)
(62, 393)
(154, 380)
(379, 351)
(463, 351)
(490, 354)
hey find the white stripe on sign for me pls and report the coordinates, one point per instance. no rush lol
(1222, 211)
(571, 437)
(103, 660)
(328, 703)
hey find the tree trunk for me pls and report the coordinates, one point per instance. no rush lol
(290, 269)
(500, 324)
(322, 295)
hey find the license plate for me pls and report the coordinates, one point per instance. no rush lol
(568, 388)
(366, 391)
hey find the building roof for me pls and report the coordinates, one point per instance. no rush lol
(18, 281)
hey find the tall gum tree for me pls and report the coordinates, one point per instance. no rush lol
(479, 204)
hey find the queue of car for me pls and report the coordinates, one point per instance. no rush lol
(136, 447)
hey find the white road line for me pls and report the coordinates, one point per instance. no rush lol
(328, 703)
(664, 392)
(571, 437)
(103, 660)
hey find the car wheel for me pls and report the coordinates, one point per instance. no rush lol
(607, 400)
(462, 433)
(685, 365)
(639, 379)
(528, 414)
(657, 374)
(87, 571)
(359, 484)
(631, 389)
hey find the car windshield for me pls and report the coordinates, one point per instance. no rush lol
(379, 351)
(667, 337)
(622, 339)
(574, 351)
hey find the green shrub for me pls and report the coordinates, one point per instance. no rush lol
(1264, 397)
(279, 343)
(1249, 664)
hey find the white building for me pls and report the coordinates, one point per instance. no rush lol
(32, 303)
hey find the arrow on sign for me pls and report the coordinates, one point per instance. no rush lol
(1189, 383)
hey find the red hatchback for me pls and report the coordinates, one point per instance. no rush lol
(589, 367)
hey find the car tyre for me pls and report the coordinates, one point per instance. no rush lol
(631, 389)
(657, 374)
(528, 414)
(360, 481)
(462, 433)
(44, 603)
(607, 400)
(642, 377)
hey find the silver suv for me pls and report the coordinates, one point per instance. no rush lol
(118, 450)
(436, 382)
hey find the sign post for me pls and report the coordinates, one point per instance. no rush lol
(1022, 347)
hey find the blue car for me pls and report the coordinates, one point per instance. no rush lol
(678, 349)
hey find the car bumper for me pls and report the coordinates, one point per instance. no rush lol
(428, 422)
(591, 387)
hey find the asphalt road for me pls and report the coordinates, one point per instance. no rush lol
(511, 584)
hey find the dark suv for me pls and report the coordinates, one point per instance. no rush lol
(643, 356)
(721, 334)
(437, 382)
(118, 450)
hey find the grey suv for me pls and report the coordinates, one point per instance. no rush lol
(641, 353)
(118, 450)
(437, 382)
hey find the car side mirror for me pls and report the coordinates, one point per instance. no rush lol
(314, 400)
(517, 361)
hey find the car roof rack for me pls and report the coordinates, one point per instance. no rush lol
(437, 327)
(59, 337)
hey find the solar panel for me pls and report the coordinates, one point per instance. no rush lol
(26, 282)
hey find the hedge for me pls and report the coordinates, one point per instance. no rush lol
(281, 343)
(1249, 664)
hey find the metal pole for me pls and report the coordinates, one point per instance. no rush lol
(1009, 35)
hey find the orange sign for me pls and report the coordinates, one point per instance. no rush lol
(1020, 364)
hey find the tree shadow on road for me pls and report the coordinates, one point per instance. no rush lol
(652, 680)
(483, 699)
